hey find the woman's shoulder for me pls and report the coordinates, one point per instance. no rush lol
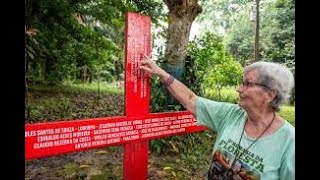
(288, 132)
(289, 128)
(207, 101)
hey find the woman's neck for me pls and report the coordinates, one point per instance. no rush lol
(258, 122)
(260, 119)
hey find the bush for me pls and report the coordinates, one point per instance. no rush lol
(287, 112)
(226, 94)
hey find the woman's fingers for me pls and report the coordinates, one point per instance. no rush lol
(145, 69)
(144, 62)
(146, 57)
(148, 65)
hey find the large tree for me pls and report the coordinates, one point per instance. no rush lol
(181, 15)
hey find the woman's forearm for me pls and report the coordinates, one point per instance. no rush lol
(178, 90)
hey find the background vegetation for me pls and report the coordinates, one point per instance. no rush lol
(74, 64)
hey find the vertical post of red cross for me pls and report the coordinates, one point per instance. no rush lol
(137, 92)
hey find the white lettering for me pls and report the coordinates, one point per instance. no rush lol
(115, 135)
(43, 145)
(45, 132)
(107, 125)
(175, 126)
(65, 136)
(98, 143)
(48, 138)
(84, 139)
(116, 140)
(62, 142)
(67, 129)
(133, 132)
(86, 128)
(83, 145)
(115, 129)
(137, 122)
(82, 133)
(125, 123)
(30, 133)
(102, 131)
(100, 137)
(127, 138)
(126, 128)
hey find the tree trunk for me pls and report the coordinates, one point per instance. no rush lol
(256, 42)
(181, 15)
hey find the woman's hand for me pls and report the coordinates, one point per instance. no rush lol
(150, 66)
(178, 90)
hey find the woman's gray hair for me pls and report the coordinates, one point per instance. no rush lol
(276, 77)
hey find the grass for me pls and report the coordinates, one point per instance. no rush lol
(288, 113)
(228, 94)
(103, 87)
(93, 87)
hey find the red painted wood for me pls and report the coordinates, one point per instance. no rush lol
(137, 91)
(53, 138)
(45, 139)
(137, 43)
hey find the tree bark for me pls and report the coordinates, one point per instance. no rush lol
(257, 33)
(181, 15)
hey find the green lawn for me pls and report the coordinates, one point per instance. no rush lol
(82, 87)
(288, 113)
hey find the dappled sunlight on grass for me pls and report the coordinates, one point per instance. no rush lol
(287, 112)
(81, 87)
(93, 87)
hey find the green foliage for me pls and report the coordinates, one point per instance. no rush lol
(204, 52)
(212, 65)
(159, 96)
(186, 146)
(225, 94)
(63, 106)
(239, 39)
(72, 171)
(222, 13)
(225, 73)
(158, 145)
(80, 88)
(76, 34)
(288, 113)
(278, 31)
(73, 101)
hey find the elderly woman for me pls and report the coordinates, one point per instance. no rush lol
(253, 141)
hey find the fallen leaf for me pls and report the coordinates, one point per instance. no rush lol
(173, 173)
(167, 168)
(102, 152)
(161, 173)
(84, 166)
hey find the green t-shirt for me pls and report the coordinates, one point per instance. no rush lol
(271, 157)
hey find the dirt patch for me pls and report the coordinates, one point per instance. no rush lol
(48, 106)
(105, 164)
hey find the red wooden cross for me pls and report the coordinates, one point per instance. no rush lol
(133, 131)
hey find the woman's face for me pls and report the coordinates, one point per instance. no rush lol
(251, 93)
